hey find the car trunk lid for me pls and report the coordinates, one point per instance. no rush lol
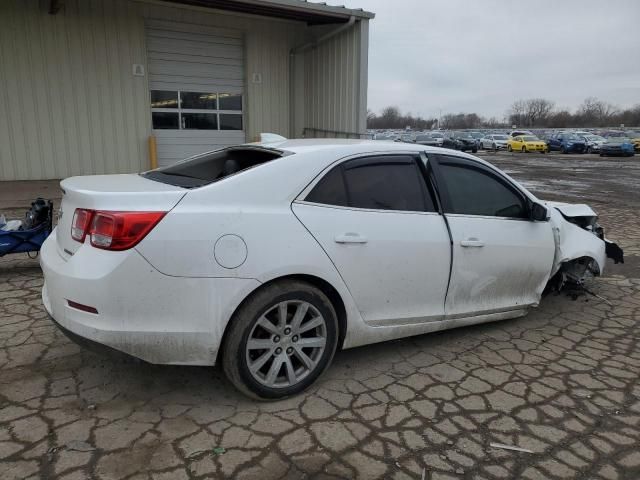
(128, 192)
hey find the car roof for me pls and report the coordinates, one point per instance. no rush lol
(349, 146)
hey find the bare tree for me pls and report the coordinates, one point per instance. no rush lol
(538, 111)
(595, 112)
(530, 113)
(517, 112)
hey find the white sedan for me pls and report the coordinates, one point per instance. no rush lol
(494, 142)
(270, 257)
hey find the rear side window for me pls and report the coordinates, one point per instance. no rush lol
(379, 183)
(473, 191)
(330, 190)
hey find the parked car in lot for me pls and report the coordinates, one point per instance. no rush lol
(526, 144)
(462, 141)
(267, 258)
(592, 141)
(635, 139)
(519, 133)
(432, 139)
(494, 142)
(566, 143)
(617, 146)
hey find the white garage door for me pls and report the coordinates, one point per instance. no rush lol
(196, 78)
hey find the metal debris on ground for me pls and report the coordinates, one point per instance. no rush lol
(510, 447)
(80, 446)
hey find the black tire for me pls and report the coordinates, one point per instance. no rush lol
(563, 150)
(234, 357)
(524, 149)
(474, 150)
(509, 149)
(588, 150)
(495, 147)
(602, 154)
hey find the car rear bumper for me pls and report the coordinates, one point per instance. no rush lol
(140, 311)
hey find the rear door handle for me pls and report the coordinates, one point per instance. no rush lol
(350, 237)
(472, 242)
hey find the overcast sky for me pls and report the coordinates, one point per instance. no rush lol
(481, 55)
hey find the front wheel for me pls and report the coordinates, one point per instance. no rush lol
(494, 147)
(509, 149)
(474, 150)
(280, 340)
(589, 150)
(524, 149)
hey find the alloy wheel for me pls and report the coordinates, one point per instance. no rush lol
(286, 344)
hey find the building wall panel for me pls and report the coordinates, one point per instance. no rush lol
(334, 77)
(70, 104)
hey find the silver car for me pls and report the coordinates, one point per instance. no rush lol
(494, 142)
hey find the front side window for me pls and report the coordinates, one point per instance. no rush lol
(475, 191)
(378, 183)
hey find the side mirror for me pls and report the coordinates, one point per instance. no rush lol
(539, 213)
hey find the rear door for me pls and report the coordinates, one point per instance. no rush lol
(501, 258)
(375, 218)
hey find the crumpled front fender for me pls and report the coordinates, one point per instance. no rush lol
(573, 242)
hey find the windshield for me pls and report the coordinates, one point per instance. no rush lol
(573, 138)
(530, 138)
(594, 138)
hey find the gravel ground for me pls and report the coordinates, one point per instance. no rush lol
(561, 382)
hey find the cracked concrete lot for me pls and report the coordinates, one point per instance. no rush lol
(561, 382)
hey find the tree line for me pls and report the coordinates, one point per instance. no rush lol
(529, 113)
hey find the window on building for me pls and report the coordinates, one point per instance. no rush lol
(187, 110)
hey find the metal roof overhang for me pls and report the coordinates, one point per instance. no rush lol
(299, 10)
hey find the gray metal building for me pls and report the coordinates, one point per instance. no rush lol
(84, 84)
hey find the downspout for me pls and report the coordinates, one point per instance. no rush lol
(303, 48)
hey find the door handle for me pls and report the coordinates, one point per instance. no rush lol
(350, 237)
(472, 242)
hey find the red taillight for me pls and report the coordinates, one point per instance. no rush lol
(80, 224)
(121, 230)
(113, 230)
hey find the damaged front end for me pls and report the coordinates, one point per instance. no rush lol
(581, 247)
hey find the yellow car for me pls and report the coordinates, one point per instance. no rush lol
(635, 139)
(526, 143)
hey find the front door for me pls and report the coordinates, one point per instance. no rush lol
(375, 219)
(501, 258)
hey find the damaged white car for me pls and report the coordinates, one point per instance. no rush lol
(269, 257)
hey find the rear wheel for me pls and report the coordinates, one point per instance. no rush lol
(494, 147)
(563, 150)
(524, 149)
(280, 340)
(509, 149)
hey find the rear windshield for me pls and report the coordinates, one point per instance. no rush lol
(211, 167)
